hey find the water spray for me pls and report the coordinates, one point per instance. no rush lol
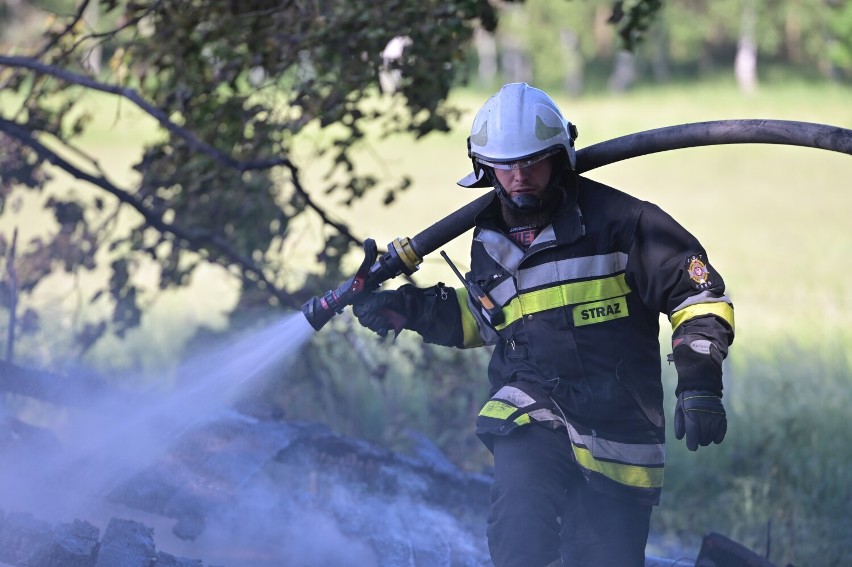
(108, 437)
(404, 255)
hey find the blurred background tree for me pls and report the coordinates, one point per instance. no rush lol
(230, 86)
(556, 43)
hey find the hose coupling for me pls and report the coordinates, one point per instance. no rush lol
(405, 251)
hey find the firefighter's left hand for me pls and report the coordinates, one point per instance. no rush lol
(700, 416)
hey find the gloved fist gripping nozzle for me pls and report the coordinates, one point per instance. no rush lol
(382, 311)
(408, 307)
(700, 416)
(401, 258)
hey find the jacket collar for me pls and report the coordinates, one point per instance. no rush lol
(566, 226)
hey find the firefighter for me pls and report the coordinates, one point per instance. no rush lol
(579, 273)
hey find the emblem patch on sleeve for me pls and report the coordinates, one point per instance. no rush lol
(697, 270)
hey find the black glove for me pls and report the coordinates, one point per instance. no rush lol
(698, 361)
(432, 312)
(700, 416)
(382, 311)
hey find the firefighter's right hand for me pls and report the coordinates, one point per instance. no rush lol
(382, 311)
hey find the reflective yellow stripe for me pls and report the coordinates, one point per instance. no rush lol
(470, 330)
(501, 410)
(562, 295)
(630, 475)
(718, 308)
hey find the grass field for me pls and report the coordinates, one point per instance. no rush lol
(775, 222)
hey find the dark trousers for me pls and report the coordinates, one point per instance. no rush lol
(542, 508)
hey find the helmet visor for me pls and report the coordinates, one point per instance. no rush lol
(521, 163)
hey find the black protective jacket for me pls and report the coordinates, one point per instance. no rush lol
(578, 344)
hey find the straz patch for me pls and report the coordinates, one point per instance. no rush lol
(600, 311)
(696, 269)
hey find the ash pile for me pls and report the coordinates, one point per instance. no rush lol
(236, 490)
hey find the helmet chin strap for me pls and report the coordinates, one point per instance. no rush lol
(524, 203)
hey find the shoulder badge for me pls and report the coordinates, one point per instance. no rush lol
(696, 268)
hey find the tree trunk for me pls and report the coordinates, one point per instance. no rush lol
(93, 56)
(745, 63)
(574, 75)
(514, 61)
(793, 35)
(603, 32)
(486, 50)
(660, 53)
(389, 75)
(623, 72)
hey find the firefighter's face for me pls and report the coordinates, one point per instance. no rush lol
(532, 179)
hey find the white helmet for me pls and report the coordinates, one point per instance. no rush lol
(518, 123)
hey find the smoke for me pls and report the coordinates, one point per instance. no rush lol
(232, 489)
(105, 440)
(262, 529)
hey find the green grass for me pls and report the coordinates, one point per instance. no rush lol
(774, 220)
(784, 467)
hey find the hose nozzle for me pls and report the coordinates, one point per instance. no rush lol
(401, 258)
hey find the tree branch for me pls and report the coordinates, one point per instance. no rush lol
(55, 39)
(130, 94)
(342, 229)
(23, 135)
(129, 23)
(194, 141)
